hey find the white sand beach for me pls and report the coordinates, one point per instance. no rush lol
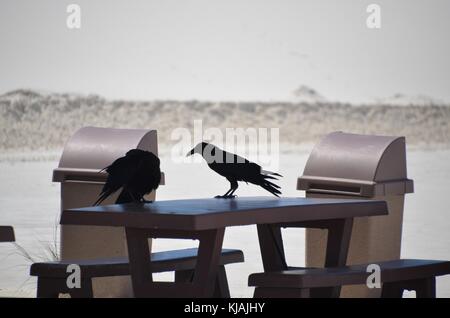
(30, 202)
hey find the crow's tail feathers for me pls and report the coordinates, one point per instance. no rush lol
(276, 174)
(124, 197)
(105, 169)
(272, 175)
(102, 197)
(270, 186)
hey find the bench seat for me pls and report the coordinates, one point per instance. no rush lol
(52, 275)
(396, 276)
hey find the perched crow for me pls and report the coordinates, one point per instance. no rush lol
(137, 173)
(235, 168)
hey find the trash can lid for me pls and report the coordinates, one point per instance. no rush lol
(353, 159)
(96, 148)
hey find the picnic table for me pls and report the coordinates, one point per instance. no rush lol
(206, 220)
(6, 234)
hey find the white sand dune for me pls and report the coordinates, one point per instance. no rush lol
(43, 121)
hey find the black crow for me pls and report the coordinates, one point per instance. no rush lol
(137, 173)
(235, 168)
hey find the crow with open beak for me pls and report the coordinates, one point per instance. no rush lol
(235, 168)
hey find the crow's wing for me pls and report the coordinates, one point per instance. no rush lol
(119, 174)
(255, 175)
(248, 171)
(145, 178)
(238, 168)
(230, 165)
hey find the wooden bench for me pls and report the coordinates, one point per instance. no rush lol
(396, 276)
(52, 275)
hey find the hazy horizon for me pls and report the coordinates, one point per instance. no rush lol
(227, 50)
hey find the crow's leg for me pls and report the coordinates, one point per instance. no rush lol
(234, 186)
(229, 193)
(225, 195)
(145, 201)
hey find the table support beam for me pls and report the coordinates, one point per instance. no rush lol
(271, 246)
(339, 234)
(204, 277)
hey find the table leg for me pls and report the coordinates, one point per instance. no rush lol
(338, 242)
(203, 281)
(221, 289)
(271, 246)
(139, 258)
(339, 234)
(208, 259)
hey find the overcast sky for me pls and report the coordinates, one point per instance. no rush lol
(230, 49)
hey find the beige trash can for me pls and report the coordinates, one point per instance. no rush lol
(346, 165)
(88, 151)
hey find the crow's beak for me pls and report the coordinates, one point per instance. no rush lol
(190, 153)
